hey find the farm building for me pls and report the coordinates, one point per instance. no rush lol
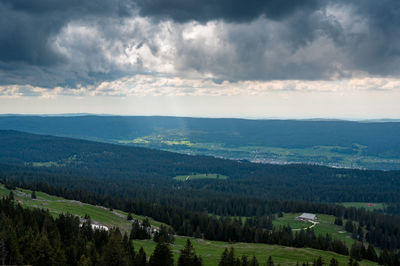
(307, 217)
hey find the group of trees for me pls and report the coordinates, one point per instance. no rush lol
(379, 229)
(140, 230)
(87, 245)
(228, 258)
(33, 236)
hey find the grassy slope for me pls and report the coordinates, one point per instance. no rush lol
(57, 205)
(209, 250)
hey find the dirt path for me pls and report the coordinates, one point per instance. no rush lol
(314, 223)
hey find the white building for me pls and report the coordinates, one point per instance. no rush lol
(307, 217)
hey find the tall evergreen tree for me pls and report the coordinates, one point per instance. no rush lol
(162, 255)
(188, 256)
(333, 262)
(254, 261)
(270, 262)
(140, 258)
(114, 252)
(224, 258)
(11, 195)
(318, 262)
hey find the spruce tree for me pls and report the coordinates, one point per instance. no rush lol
(270, 262)
(114, 252)
(162, 255)
(254, 261)
(3, 252)
(140, 258)
(188, 256)
(318, 262)
(11, 196)
(224, 258)
(333, 262)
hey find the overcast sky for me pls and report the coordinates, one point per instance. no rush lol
(218, 58)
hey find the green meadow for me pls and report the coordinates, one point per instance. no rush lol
(210, 251)
(325, 226)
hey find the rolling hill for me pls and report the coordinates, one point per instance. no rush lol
(372, 145)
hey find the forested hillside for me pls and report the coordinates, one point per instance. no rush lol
(334, 143)
(142, 181)
(71, 240)
(148, 172)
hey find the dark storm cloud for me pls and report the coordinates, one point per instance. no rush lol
(26, 27)
(378, 50)
(275, 39)
(228, 10)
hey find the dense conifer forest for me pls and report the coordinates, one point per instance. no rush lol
(140, 181)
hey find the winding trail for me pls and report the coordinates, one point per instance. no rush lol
(314, 223)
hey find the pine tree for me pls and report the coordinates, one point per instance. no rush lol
(333, 262)
(11, 196)
(129, 217)
(114, 252)
(270, 262)
(349, 227)
(353, 262)
(254, 261)
(140, 258)
(371, 253)
(318, 262)
(188, 256)
(245, 261)
(163, 235)
(231, 256)
(33, 195)
(85, 261)
(356, 251)
(128, 246)
(3, 252)
(224, 258)
(162, 255)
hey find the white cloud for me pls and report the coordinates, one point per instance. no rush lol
(156, 85)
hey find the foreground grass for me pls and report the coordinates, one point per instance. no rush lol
(210, 251)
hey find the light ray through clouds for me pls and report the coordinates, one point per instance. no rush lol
(124, 49)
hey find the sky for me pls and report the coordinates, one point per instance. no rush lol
(209, 58)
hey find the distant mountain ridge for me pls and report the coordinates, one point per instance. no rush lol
(374, 145)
